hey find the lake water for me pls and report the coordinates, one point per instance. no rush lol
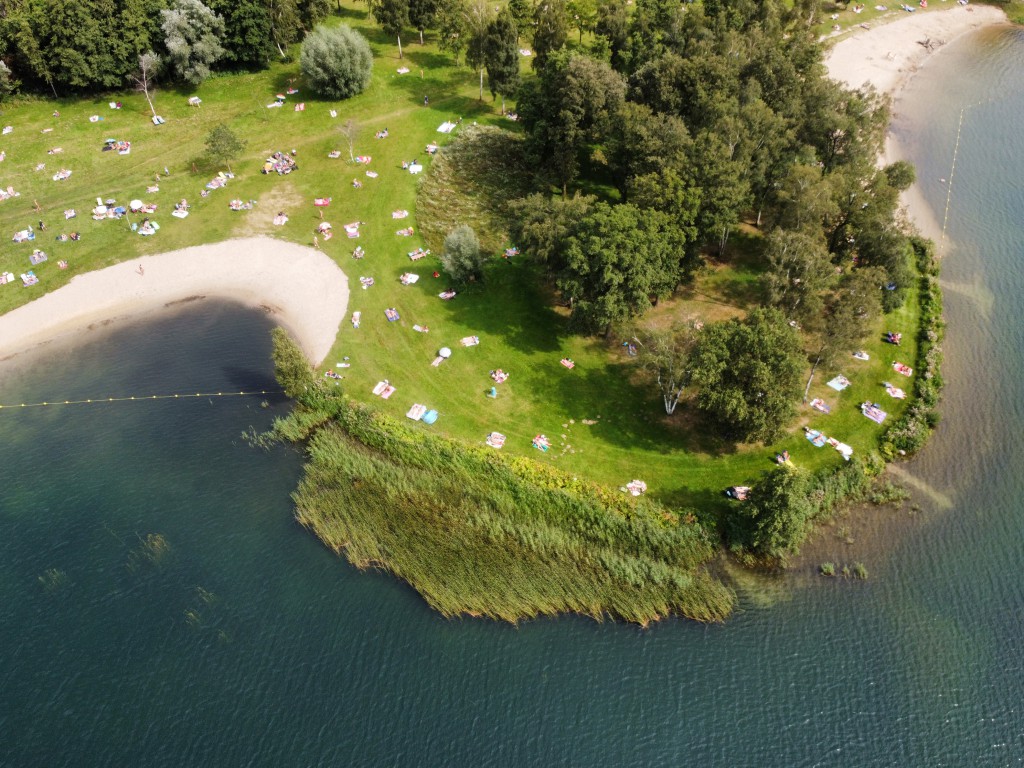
(239, 640)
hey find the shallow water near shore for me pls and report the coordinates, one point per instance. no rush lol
(162, 608)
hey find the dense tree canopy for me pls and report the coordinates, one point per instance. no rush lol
(501, 56)
(748, 372)
(776, 516)
(336, 61)
(192, 34)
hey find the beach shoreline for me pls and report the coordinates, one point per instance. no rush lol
(887, 56)
(301, 288)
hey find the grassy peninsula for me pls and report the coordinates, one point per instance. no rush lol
(655, 210)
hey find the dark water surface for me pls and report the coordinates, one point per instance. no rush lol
(244, 642)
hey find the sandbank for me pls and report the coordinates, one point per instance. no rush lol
(301, 287)
(887, 53)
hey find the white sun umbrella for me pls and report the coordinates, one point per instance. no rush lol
(135, 205)
(99, 210)
(444, 352)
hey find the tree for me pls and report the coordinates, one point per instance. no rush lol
(350, 129)
(665, 355)
(612, 23)
(291, 369)
(501, 56)
(223, 145)
(422, 14)
(461, 257)
(851, 313)
(313, 12)
(552, 24)
(748, 372)
(336, 61)
(583, 14)
(148, 71)
(451, 22)
(616, 260)
(777, 512)
(8, 84)
(247, 39)
(393, 17)
(192, 34)
(542, 226)
(799, 271)
(477, 22)
(284, 24)
(522, 12)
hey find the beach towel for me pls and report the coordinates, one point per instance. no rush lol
(380, 387)
(839, 383)
(820, 405)
(388, 392)
(815, 437)
(905, 370)
(418, 254)
(470, 341)
(416, 412)
(37, 257)
(407, 232)
(300, 107)
(446, 127)
(861, 355)
(334, 155)
(429, 417)
(409, 278)
(495, 440)
(896, 392)
(844, 450)
(403, 70)
(499, 376)
(29, 278)
(873, 412)
(415, 168)
(321, 202)
(399, 214)
(421, 329)
(541, 443)
(180, 213)
(372, 174)
(437, 361)
(445, 295)
(363, 159)
(391, 314)
(6, 277)
(567, 362)
(636, 487)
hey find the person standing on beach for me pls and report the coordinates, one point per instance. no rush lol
(141, 271)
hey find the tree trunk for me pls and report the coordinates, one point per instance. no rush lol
(670, 404)
(400, 54)
(503, 104)
(151, 107)
(280, 50)
(481, 83)
(421, 37)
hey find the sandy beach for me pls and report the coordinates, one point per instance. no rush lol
(887, 55)
(301, 287)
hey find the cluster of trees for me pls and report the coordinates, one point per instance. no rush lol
(87, 45)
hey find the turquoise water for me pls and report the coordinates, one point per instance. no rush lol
(246, 643)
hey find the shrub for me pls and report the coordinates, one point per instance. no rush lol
(461, 258)
(828, 569)
(859, 571)
(336, 61)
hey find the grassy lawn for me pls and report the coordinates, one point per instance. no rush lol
(604, 420)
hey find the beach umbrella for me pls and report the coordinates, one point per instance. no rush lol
(99, 210)
(135, 205)
(445, 352)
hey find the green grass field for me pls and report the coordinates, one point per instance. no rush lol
(605, 422)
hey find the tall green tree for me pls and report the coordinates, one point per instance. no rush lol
(393, 17)
(851, 313)
(612, 23)
(522, 12)
(551, 30)
(192, 35)
(461, 257)
(799, 272)
(312, 13)
(285, 25)
(476, 25)
(451, 23)
(248, 39)
(501, 56)
(616, 261)
(422, 14)
(777, 512)
(748, 372)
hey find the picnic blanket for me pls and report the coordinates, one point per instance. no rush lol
(399, 214)
(820, 405)
(896, 392)
(445, 295)
(363, 159)
(6, 277)
(470, 341)
(29, 278)
(873, 412)
(37, 257)
(446, 127)
(815, 437)
(839, 383)
(567, 362)
(906, 370)
(391, 314)
(409, 278)
(416, 412)
(495, 440)
(419, 253)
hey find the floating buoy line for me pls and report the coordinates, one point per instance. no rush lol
(140, 398)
